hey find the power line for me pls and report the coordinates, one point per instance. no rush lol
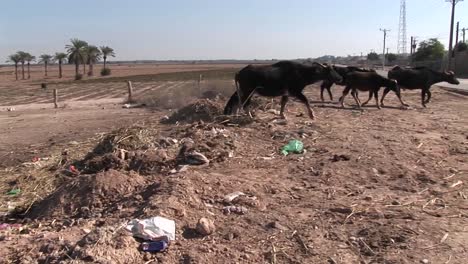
(384, 41)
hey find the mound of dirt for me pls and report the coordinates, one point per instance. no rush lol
(202, 110)
(88, 195)
(108, 243)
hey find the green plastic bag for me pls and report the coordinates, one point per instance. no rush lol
(14, 192)
(293, 146)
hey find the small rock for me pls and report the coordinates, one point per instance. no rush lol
(277, 225)
(425, 261)
(205, 226)
(453, 170)
(395, 202)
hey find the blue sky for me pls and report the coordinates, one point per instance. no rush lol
(215, 29)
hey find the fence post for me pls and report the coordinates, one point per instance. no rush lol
(130, 91)
(55, 98)
(199, 86)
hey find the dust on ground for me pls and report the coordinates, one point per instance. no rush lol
(373, 186)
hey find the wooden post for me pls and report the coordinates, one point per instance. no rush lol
(55, 98)
(130, 91)
(199, 81)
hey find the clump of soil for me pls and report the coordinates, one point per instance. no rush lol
(106, 243)
(88, 194)
(202, 110)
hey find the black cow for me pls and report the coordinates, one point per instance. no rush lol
(343, 71)
(368, 81)
(284, 78)
(419, 78)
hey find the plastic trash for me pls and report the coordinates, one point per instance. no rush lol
(293, 146)
(156, 246)
(154, 228)
(14, 192)
(230, 197)
(235, 209)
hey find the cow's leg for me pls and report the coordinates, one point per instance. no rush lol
(423, 97)
(385, 92)
(233, 101)
(345, 92)
(398, 94)
(376, 96)
(304, 100)
(322, 87)
(356, 98)
(370, 97)
(330, 93)
(429, 94)
(284, 100)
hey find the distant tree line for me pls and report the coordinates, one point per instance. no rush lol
(78, 52)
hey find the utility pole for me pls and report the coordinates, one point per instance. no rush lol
(452, 21)
(463, 30)
(384, 41)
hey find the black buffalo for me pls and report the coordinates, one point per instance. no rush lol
(284, 78)
(343, 71)
(368, 81)
(419, 78)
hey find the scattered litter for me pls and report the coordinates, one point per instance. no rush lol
(205, 226)
(293, 146)
(420, 145)
(14, 191)
(180, 168)
(131, 105)
(230, 197)
(273, 111)
(235, 209)
(73, 169)
(196, 158)
(11, 109)
(6, 226)
(456, 184)
(280, 122)
(73, 143)
(154, 228)
(156, 246)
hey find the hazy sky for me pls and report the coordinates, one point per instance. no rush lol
(215, 29)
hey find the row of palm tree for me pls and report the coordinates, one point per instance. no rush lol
(78, 52)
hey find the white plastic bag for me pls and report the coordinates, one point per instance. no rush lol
(152, 228)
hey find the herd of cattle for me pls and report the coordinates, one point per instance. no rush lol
(288, 78)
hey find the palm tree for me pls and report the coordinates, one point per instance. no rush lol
(29, 58)
(76, 52)
(107, 52)
(93, 55)
(46, 59)
(15, 58)
(60, 57)
(23, 56)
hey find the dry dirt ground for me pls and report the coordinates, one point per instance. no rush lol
(373, 186)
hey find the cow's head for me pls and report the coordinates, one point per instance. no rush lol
(329, 73)
(449, 76)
